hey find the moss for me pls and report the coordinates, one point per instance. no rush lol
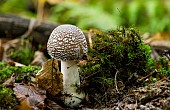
(7, 70)
(122, 55)
(7, 98)
(163, 67)
(120, 51)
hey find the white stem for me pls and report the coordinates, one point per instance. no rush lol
(71, 78)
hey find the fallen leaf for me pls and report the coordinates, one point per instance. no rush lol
(25, 105)
(30, 97)
(50, 78)
(159, 36)
(161, 43)
(10, 81)
(12, 63)
(39, 58)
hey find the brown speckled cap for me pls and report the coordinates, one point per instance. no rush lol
(67, 42)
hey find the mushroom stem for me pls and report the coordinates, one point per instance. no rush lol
(71, 80)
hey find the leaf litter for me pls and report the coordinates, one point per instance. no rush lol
(33, 94)
(29, 96)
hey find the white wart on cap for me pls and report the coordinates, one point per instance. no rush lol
(67, 42)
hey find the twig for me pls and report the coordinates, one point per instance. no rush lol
(90, 34)
(32, 25)
(116, 82)
(143, 78)
(89, 76)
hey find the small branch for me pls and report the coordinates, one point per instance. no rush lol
(144, 78)
(116, 82)
(89, 76)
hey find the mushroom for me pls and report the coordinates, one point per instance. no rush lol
(67, 43)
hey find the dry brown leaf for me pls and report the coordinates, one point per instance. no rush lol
(39, 58)
(25, 105)
(10, 81)
(50, 78)
(159, 36)
(160, 43)
(12, 43)
(30, 97)
(12, 63)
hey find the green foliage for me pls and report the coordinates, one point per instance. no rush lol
(23, 56)
(85, 16)
(16, 7)
(152, 15)
(7, 97)
(163, 67)
(23, 53)
(6, 71)
(8, 100)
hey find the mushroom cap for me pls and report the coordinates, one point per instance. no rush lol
(67, 42)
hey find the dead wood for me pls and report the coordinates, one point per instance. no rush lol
(15, 26)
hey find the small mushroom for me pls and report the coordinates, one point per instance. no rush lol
(67, 43)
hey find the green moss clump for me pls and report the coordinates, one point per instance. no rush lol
(162, 67)
(120, 51)
(7, 98)
(7, 70)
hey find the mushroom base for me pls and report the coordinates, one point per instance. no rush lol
(74, 99)
(71, 81)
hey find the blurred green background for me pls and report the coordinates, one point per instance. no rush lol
(146, 15)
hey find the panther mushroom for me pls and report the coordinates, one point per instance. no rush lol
(67, 43)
